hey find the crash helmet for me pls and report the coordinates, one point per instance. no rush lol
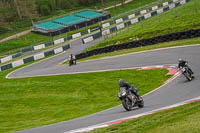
(121, 82)
(180, 60)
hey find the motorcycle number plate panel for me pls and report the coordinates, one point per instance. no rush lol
(183, 69)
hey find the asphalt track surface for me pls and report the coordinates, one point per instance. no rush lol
(178, 90)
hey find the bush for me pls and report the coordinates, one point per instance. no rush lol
(45, 10)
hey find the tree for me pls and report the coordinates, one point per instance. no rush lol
(102, 4)
(18, 10)
(122, 3)
(26, 9)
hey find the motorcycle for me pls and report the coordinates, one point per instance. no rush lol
(185, 71)
(72, 62)
(129, 100)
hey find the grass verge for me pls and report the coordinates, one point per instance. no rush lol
(32, 102)
(183, 119)
(188, 17)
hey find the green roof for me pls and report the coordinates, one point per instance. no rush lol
(88, 14)
(49, 25)
(68, 20)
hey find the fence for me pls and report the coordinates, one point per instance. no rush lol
(144, 42)
(34, 57)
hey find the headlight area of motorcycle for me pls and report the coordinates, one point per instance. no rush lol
(124, 93)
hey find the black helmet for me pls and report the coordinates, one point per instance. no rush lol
(121, 82)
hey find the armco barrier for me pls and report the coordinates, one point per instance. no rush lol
(166, 6)
(29, 59)
(97, 35)
(33, 58)
(16, 55)
(144, 42)
(171, 4)
(66, 47)
(48, 53)
(5, 67)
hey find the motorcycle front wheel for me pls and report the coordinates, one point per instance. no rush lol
(127, 104)
(141, 103)
(187, 75)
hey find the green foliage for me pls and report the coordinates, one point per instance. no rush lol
(45, 10)
(32, 102)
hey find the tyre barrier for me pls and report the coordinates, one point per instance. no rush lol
(171, 4)
(144, 42)
(34, 58)
(155, 10)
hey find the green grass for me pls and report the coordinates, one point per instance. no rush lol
(183, 119)
(150, 47)
(32, 102)
(161, 24)
(33, 39)
(130, 6)
(29, 39)
(22, 41)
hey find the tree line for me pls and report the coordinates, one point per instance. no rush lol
(31, 10)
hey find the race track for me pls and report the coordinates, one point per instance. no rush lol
(175, 91)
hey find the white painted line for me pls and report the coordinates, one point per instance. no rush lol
(159, 49)
(106, 124)
(31, 65)
(195, 45)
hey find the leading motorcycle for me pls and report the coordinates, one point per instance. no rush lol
(129, 100)
(185, 71)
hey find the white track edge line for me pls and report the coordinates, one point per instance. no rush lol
(102, 125)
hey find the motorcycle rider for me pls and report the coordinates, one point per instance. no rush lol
(183, 63)
(70, 58)
(129, 87)
(74, 59)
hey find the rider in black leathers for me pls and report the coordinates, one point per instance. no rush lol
(128, 86)
(183, 63)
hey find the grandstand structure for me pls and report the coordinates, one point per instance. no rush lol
(69, 23)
